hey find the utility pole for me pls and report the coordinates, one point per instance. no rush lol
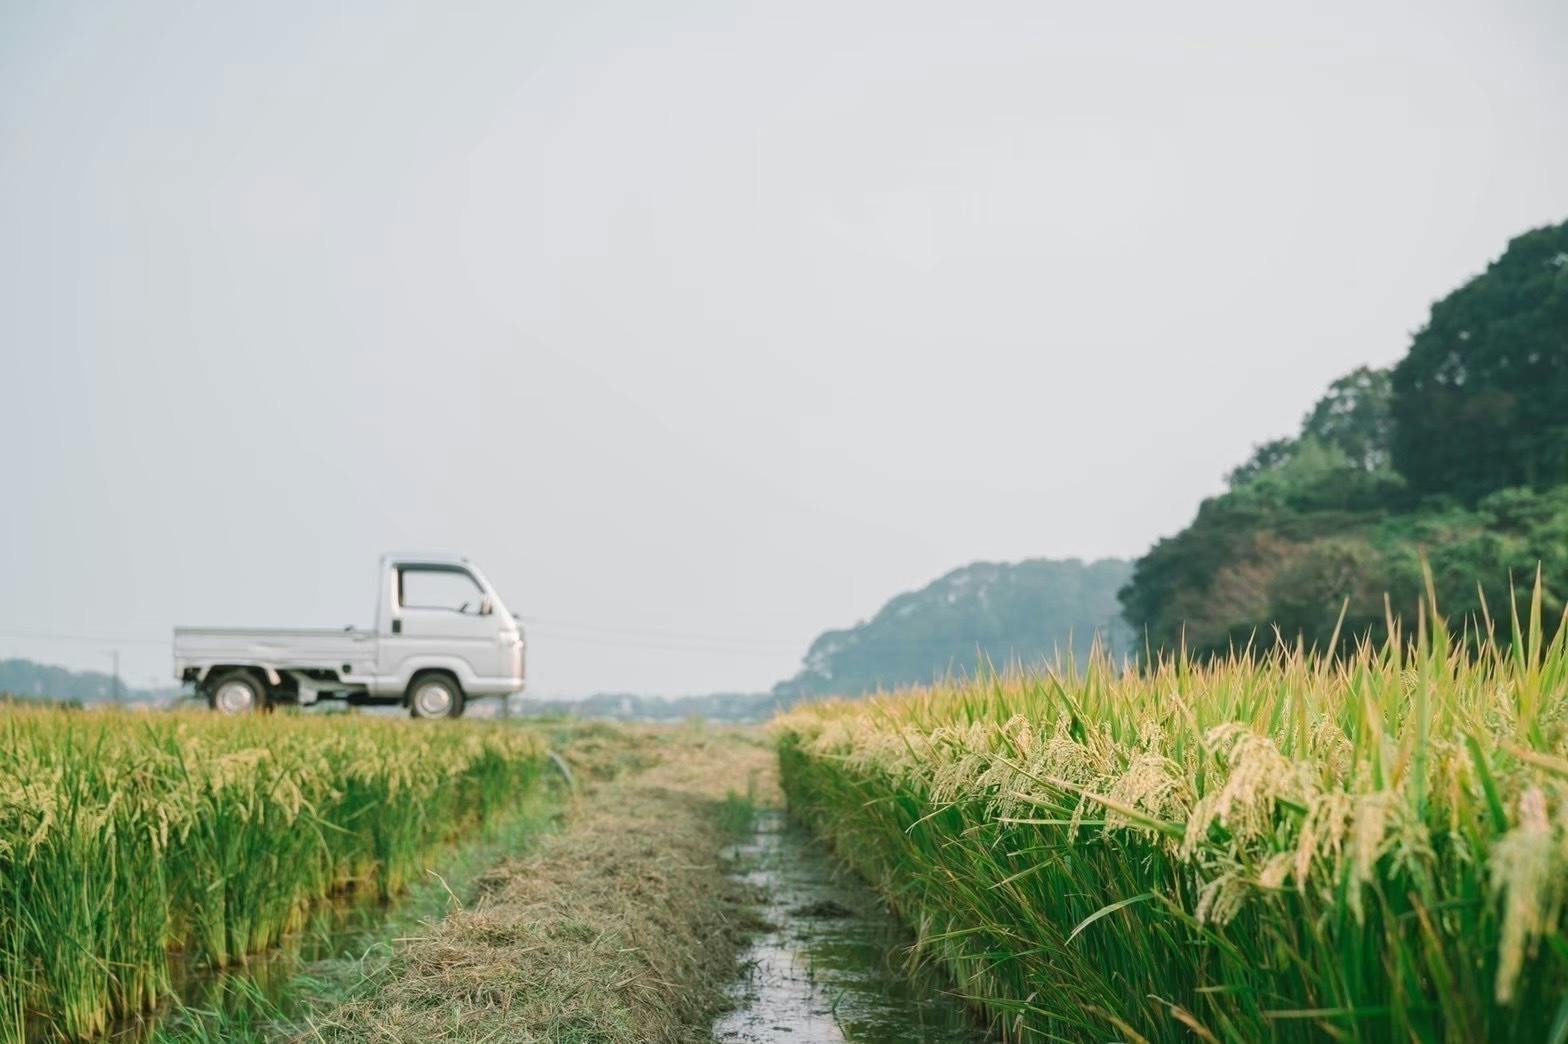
(116, 690)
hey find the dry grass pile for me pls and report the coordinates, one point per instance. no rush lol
(624, 927)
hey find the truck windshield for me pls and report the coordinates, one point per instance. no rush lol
(437, 587)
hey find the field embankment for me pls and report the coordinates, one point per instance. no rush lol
(1288, 849)
(125, 839)
(622, 927)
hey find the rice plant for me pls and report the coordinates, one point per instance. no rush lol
(125, 838)
(1274, 846)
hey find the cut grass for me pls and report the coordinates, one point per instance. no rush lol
(623, 928)
(1262, 848)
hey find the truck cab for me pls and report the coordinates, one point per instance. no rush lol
(442, 636)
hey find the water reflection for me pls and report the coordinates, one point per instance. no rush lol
(831, 968)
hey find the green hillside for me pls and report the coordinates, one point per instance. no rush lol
(1001, 612)
(1458, 453)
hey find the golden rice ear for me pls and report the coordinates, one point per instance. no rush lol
(1528, 868)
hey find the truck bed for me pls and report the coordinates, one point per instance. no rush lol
(299, 648)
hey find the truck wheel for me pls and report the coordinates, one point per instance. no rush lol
(236, 692)
(435, 696)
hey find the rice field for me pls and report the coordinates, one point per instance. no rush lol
(128, 841)
(1268, 847)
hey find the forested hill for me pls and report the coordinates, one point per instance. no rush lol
(1459, 452)
(1001, 612)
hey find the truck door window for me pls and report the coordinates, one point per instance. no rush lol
(435, 588)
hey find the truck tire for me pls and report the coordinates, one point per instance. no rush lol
(434, 694)
(237, 692)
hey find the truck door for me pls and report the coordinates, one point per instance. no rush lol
(439, 614)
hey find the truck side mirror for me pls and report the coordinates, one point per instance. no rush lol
(486, 606)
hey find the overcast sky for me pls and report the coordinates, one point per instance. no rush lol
(702, 327)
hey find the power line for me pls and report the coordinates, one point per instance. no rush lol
(581, 639)
(643, 632)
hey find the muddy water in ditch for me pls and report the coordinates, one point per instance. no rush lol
(832, 965)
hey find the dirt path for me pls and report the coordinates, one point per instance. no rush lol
(623, 927)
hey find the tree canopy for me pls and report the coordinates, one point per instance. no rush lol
(1459, 453)
(1349, 429)
(1480, 402)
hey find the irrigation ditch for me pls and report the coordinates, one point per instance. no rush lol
(831, 964)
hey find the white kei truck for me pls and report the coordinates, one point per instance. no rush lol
(442, 636)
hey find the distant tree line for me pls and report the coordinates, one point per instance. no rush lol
(26, 679)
